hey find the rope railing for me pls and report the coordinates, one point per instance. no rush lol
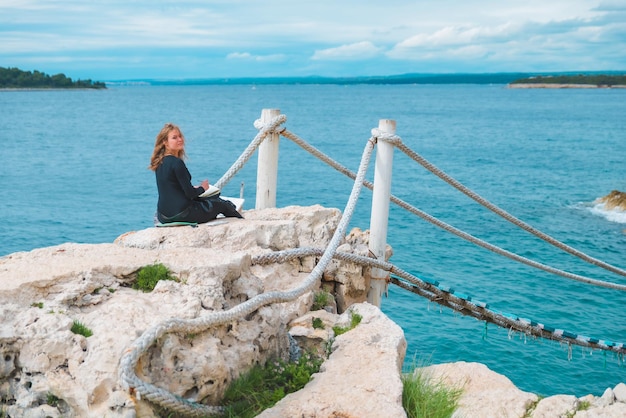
(264, 130)
(429, 289)
(448, 297)
(504, 214)
(394, 139)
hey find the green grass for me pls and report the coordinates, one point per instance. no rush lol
(78, 328)
(149, 276)
(52, 400)
(262, 386)
(424, 398)
(318, 323)
(355, 319)
(321, 300)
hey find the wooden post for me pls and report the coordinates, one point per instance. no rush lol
(267, 167)
(380, 211)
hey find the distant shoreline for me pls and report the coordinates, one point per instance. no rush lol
(563, 86)
(2, 89)
(571, 81)
(14, 78)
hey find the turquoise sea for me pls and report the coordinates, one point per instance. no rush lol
(73, 168)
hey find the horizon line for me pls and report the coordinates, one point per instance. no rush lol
(484, 77)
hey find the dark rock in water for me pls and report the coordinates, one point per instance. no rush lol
(614, 200)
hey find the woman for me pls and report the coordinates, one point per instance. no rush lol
(179, 200)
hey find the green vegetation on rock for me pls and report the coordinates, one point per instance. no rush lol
(262, 386)
(424, 397)
(149, 276)
(81, 329)
(14, 78)
(321, 299)
(355, 319)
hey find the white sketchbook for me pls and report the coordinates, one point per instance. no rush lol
(210, 192)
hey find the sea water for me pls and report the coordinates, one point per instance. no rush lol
(73, 168)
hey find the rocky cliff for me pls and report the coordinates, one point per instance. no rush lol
(46, 370)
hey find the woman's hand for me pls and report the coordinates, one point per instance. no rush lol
(205, 185)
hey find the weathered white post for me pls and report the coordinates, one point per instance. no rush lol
(380, 211)
(267, 167)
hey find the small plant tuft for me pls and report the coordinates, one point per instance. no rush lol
(318, 323)
(531, 408)
(422, 397)
(355, 319)
(584, 405)
(37, 305)
(52, 400)
(321, 300)
(149, 276)
(78, 328)
(262, 386)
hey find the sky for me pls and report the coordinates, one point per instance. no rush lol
(108, 40)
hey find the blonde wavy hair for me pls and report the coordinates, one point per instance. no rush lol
(159, 145)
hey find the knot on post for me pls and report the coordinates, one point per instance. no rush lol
(271, 126)
(386, 136)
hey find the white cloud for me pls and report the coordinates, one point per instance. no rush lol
(312, 36)
(352, 52)
(557, 44)
(457, 36)
(249, 57)
(239, 56)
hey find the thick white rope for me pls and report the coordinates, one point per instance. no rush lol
(128, 363)
(395, 140)
(504, 214)
(264, 129)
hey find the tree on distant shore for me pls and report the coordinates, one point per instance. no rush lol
(16, 78)
(592, 79)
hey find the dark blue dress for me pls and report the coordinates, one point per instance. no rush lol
(179, 200)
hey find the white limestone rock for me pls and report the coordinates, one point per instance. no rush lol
(616, 410)
(556, 406)
(607, 398)
(620, 392)
(308, 337)
(351, 280)
(485, 392)
(42, 293)
(360, 379)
